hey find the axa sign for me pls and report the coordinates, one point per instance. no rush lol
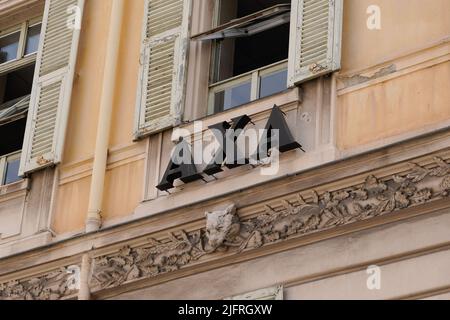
(276, 136)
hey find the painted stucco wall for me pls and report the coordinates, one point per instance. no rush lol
(124, 181)
(409, 96)
(404, 67)
(415, 267)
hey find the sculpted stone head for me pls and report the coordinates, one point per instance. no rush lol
(222, 226)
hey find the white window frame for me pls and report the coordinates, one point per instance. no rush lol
(21, 59)
(4, 162)
(253, 76)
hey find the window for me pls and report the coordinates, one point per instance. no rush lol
(9, 45)
(251, 86)
(17, 63)
(19, 42)
(251, 46)
(9, 168)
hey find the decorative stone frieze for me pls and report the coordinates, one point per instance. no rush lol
(226, 231)
(54, 285)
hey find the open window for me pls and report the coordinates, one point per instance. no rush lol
(262, 47)
(18, 47)
(251, 47)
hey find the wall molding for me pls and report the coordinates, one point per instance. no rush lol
(413, 61)
(303, 214)
(230, 235)
(117, 156)
(390, 185)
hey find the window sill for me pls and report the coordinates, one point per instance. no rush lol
(18, 63)
(254, 107)
(13, 188)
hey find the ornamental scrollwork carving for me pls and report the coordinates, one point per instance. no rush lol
(225, 231)
(51, 286)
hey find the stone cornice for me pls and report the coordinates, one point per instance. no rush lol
(292, 217)
(54, 285)
(303, 209)
(13, 11)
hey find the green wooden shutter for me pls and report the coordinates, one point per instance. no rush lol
(315, 39)
(52, 87)
(165, 43)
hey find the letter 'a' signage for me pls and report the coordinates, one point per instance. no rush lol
(286, 141)
(183, 170)
(181, 165)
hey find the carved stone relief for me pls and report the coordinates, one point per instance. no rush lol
(224, 230)
(51, 286)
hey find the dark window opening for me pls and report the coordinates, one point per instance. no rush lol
(12, 135)
(15, 91)
(251, 47)
(238, 55)
(16, 85)
(234, 9)
(261, 49)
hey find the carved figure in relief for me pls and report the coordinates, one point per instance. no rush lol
(223, 228)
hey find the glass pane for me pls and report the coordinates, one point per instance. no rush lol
(238, 56)
(33, 36)
(232, 97)
(273, 83)
(8, 47)
(12, 171)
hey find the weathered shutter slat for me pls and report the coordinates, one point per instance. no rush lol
(50, 97)
(315, 41)
(163, 65)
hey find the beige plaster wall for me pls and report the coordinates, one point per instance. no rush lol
(123, 186)
(406, 25)
(412, 257)
(413, 98)
(394, 80)
(393, 107)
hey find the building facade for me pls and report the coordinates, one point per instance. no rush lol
(98, 95)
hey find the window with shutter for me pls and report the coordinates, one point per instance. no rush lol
(52, 85)
(315, 40)
(163, 65)
(250, 44)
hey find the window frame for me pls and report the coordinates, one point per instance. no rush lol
(4, 163)
(270, 14)
(21, 59)
(254, 75)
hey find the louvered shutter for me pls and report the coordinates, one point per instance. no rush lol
(162, 79)
(315, 40)
(52, 86)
